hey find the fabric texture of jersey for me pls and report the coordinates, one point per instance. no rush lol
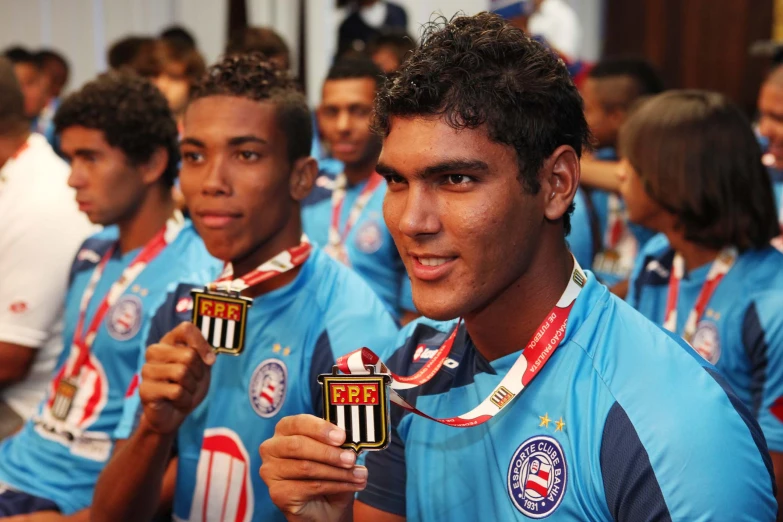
(61, 460)
(622, 424)
(584, 226)
(369, 244)
(42, 229)
(741, 331)
(293, 335)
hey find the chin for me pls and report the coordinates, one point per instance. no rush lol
(438, 310)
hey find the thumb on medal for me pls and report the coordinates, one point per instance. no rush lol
(188, 334)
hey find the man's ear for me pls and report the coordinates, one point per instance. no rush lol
(303, 176)
(559, 181)
(152, 170)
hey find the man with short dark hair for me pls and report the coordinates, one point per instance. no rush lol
(390, 48)
(264, 40)
(553, 398)
(42, 229)
(344, 213)
(121, 141)
(246, 167)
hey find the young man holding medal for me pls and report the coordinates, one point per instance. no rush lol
(578, 407)
(344, 213)
(121, 141)
(278, 316)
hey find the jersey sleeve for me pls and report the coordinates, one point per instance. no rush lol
(762, 337)
(34, 274)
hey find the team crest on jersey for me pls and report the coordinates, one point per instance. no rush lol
(224, 490)
(706, 341)
(369, 237)
(537, 476)
(268, 387)
(124, 319)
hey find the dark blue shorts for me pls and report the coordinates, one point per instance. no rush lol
(19, 503)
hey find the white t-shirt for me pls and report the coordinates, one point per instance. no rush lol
(557, 22)
(41, 230)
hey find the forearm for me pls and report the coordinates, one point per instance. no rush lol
(130, 485)
(600, 175)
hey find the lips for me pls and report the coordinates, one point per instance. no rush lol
(344, 147)
(430, 267)
(217, 219)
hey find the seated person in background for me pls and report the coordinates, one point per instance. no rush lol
(691, 170)
(621, 423)
(41, 230)
(123, 163)
(264, 40)
(245, 168)
(611, 89)
(344, 213)
(390, 48)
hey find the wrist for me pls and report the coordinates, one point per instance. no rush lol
(148, 430)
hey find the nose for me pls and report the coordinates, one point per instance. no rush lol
(216, 181)
(78, 177)
(343, 121)
(419, 212)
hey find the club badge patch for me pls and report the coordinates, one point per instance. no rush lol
(537, 477)
(369, 237)
(222, 319)
(124, 318)
(706, 341)
(268, 387)
(359, 404)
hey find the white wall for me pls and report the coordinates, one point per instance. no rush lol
(83, 29)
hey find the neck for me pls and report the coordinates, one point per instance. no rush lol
(11, 143)
(693, 255)
(151, 215)
(508, 323)
(288, 237)
(359, 172)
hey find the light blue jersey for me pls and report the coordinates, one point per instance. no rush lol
(622, 424)
(741, 331)
(293, 335)
(369, 244)
(584, 239)
(61, 460)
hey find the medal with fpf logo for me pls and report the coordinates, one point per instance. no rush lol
(222, 319)
(63, 399)
(359, 405)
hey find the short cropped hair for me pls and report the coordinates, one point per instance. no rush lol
(480, 70)
(137, 54)
(131, 113)
(356, 67)
(645, 79)
(264, 40)
(253, 77)
(178, 37)
(21, 55)
(398, 40)
(191, 60)
(698, 158)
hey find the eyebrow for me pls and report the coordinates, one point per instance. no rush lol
(238, 140)
(438, 168)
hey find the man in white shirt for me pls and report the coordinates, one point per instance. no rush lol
(41, 228)
(553, 20)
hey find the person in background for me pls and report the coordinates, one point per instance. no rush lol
(179, 37)
(123, 163)
(770, 128)
(691, 170)
(344, 212)
(390, 48)
(555, 398)
(180, 68)
(138, 54)
(365, 20)
(610, 91)
(34, 83)
(264, 40)
(552, 21)
(56, 67)
(245, 168)
(42, 229)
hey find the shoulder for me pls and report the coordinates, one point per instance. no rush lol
(416, 343)
(658, 384)
(177, 306)
(654, 262)
(321, 191)
(191, 259)
(93, 249)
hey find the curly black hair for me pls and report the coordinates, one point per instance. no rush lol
(479, 70)
(132, 114)
(252, 76)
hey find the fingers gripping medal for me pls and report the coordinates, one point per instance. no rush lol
(220, 312)
(359, 404)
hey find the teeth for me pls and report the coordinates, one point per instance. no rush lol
(432, 261)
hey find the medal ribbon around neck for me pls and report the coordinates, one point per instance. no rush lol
(280, 264)
(83, 341)
(720, 267)
(539, 349)
(336, 246)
